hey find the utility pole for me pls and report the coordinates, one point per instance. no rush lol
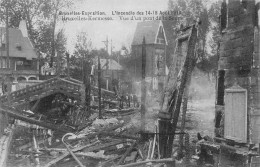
(68, 64)
(106, 44)
(7, 37)
(143, 87)
(86, 81)
(1, 58)
(58, 63)
(111, 47)
(99, 89)
(9, 86)
(2, 126)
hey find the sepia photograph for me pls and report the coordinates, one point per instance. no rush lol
(129, 83)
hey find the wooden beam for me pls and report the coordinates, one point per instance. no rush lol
(87, 148)
(185, 105)
(159, 161)
(16, 115)
(35, 105)
(127, 152)
(188, 67)
(99, 89)
(143, 87)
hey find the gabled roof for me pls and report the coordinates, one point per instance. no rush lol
(169, 30)
(16, 39)
(112, 64)
(147, 29)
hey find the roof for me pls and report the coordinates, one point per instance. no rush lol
(147, 29)
(171, 40)
(16, 38)
(112, 64)
(169, 30)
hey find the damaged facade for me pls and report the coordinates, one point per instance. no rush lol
(237, 99)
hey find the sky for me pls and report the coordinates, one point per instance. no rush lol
(120, 31)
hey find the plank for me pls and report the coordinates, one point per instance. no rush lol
(87, 148)
(167, 161)
(16, 115)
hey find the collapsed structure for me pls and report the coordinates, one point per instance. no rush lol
(237, 100)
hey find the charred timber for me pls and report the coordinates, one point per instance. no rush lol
(188, 67)
(143, 86)
(16, 115)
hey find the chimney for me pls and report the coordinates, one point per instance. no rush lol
(23, 28)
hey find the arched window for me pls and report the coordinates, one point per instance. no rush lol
(32, 78)
(19, 79)
(11, 79)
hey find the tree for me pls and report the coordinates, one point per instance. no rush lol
(190, 11)
(60, 43)
(82, 52)
(41, 16)
(83, 46)
(56, 6)
(44, 44)
(210, 64)
(31, 11)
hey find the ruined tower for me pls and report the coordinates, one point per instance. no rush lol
(237, 121)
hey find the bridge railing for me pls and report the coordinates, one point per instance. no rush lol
(52, 84)
(70, 85)
(95, 88)
(48, 84)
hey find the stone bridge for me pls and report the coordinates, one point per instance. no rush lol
(69, 87)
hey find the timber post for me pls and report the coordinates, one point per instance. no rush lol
(187, 68)
(99, 89)
(143, 87)
(9, 87)
(68, 64)
(86, 81)
(168, 120)
(185, 105)
(58, 64)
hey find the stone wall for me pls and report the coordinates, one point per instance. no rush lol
(237, 54)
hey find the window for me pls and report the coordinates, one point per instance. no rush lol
(221, 87)
(160, 41)
(3, 45)
(235, 123)
(3, 62)
(159, 64)
(27, 62)
(19, 63)
(19, 48)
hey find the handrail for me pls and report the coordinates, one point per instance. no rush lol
(53, 83)
(32, 88)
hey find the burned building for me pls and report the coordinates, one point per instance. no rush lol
(237, 121)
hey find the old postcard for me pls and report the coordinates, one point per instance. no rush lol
(129, 83)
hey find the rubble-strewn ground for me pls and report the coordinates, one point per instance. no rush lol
(200, 118)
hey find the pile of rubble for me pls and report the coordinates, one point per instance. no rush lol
(106, 142)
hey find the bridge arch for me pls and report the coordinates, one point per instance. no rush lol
(21, 78)
(12, 79)
(30, 78)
